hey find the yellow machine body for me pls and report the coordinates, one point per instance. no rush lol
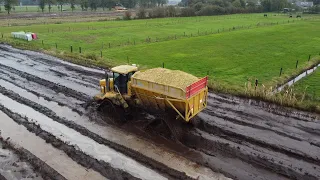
(159, 97)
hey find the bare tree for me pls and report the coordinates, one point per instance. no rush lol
(8, 5)
(42, 4)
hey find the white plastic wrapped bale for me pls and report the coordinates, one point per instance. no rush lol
(22, 35)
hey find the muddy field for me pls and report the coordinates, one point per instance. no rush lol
(60, 14)
(43, 121)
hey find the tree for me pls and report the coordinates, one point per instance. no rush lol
(236, 4)
(93, 5)
(266, 4)
(104, 4)
(42, 4)
(84, 4)
(8, 5)
(274, 5)
(251, 3)
(60, 2)
(243, 3)
(198, 6)
(277, 5)
(110, 4)
(50, 3)
(1, 1)
(72, 3)
(316, 2)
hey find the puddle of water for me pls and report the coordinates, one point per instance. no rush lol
(83, 143)
(299, 77)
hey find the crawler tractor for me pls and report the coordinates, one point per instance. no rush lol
(128, 89)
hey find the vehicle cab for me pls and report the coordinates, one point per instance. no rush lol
(120, 80)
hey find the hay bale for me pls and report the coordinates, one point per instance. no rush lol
(168, 77)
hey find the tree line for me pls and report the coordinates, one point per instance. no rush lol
(87, 4)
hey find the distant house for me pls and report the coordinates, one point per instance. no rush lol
(304, 5)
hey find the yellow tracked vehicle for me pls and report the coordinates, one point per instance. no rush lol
(158, 90)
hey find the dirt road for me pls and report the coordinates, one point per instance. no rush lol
(42, 97)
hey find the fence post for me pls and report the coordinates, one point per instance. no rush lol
(256, 83)
(297, 64)
(80, 50)
(71, 48)
(280, 71)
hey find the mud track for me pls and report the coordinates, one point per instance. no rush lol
(39, 166)
(240, 138)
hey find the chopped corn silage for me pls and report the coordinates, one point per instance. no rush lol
(168, 77)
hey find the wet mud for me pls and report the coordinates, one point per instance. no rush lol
(104, 168)
(240, 138)
(14, 165)
(21, 167)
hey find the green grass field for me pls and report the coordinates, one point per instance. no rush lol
(310, 85)
(247, 46)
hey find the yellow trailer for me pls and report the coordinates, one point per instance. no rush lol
(186, 102)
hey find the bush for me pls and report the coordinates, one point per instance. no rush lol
(158, 12)
(127, 15)
(211, 10)
(171, 11)
(141, 14)
(188, 11)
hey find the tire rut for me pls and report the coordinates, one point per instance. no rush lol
(236, 137)
(44, 169)
(56, 87)
(78, 156)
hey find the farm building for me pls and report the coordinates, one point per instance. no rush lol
(304, 5)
